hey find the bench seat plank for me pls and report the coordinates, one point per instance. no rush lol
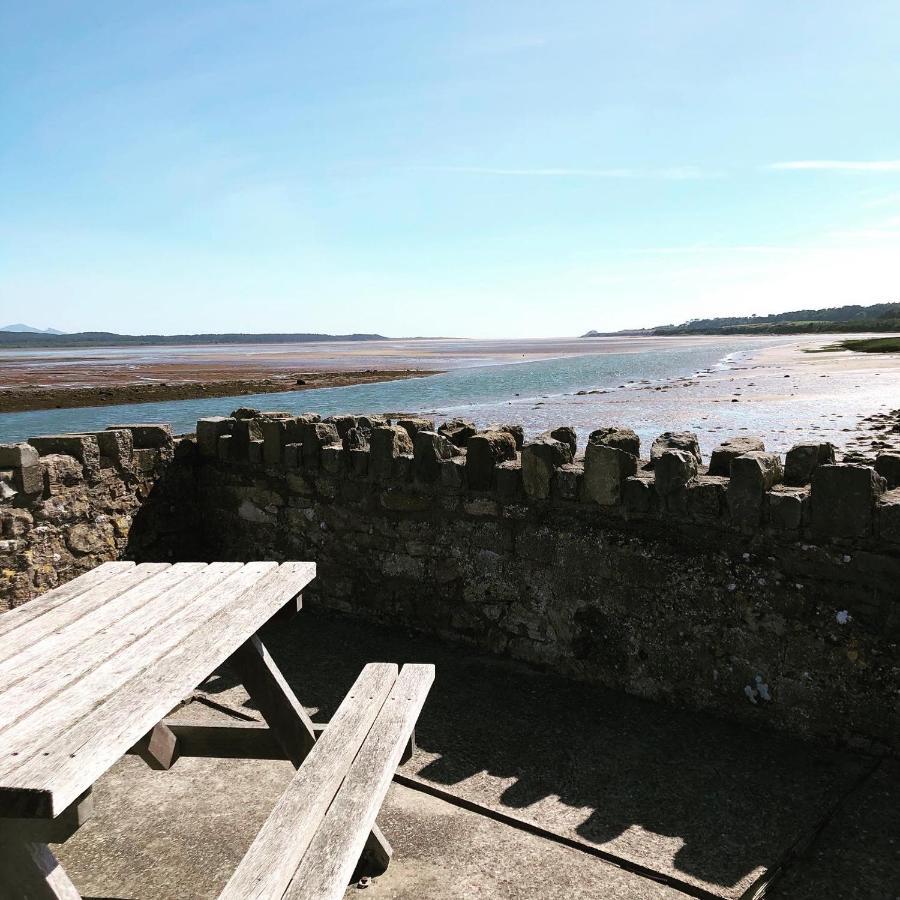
(15, 618)
(65, 745)
(274, 855)
(328, 863)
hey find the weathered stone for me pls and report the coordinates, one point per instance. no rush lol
(508, 477)
(333, 459)
(457, 431)
(802, 459)
(539, 460)
(453, 472)
(387, 443)
(367, 423)
(517, 431)
(244, 431)
(245, 412)
(673, 470)
(359, 460)
(705, 498)
(752, 474)
(148, 436)
(637, 497)
(413, 424)
(208, 432)
(355, 439)
(887, 516)
(274, 432)
(565, 435)
(483, 452)
(618, 437)
(15, 456)
(430, 448)
(84, 448)
(255, 452)
(94, 538)
(223, 446)
(117, 446)
(317, 435)
(29, 479)
(843, 500)
(147, 460)
(342, 423)
(292, 455)
(567, 483)
(676, 440)
(721, 457)
(605, 469)
(404, 500)
(887, 465)
(785, 508)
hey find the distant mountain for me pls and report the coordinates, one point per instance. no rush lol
(19, 328)
(15, 336)
(855, 318)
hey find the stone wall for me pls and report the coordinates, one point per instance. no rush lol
(70, 502)
(762, 589)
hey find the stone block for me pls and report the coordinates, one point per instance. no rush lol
(705, 498)
(82, 447)
(785, 508)
(508, 478)
(429, 450)
(568, 481)
(244, 431)
(672, 471)
(539, 460)
(453, 472)
(16, 456)
(565, 434)
(291, 455)
(359, 461)
(386, 444)
(223, 446)
(803, 459)
(333, 459)
(517, 431)
(29, 479)
(457, 431)
(605, 469)
(356, 439)
(483, 452)
(117, 446)
(887, 516)
(404, 500)
(843, 500)
(414, 425)
(149, 435)
(887, 465)
(146, 460)
(273, 437)
(208, 432)
(675, 440)
(721, 457)
(618, 437)
(752, 475)
(402, 469)
(317, 435)
(342, 423)
(255, 452)
(638, 496)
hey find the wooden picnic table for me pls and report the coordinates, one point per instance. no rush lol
(90, 670)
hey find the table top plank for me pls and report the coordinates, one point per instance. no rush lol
(335, 848)
(60, 754)
(33, 632)
(72, 653)
(14, 618)
(273, 857)
(49, 649)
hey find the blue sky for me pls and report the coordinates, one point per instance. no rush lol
(462, 168)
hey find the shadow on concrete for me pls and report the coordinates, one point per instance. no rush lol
(692, 797)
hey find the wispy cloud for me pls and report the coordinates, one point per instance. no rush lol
(675, 173)
(839, 165)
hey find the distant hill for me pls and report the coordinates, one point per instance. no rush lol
(877, 317)
(19, 328)
(18, 339)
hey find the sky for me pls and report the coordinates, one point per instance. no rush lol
(484, 168)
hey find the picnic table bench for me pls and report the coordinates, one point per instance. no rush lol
(89, 672)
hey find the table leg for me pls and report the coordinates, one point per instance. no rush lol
(30, 871)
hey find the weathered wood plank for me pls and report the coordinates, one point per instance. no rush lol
(159, 748)
(14, 618)
(60, 764)
(37, 672)
(50, 831)
(150, 604)
(274, 698)
(30, 871)
(222, 741)
(274, 855)
(32, 632)
(326, 867)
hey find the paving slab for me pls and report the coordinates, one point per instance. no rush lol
(703, 802)
(857, 855)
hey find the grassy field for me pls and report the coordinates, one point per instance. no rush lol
(864, 345)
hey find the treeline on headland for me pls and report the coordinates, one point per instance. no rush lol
(878, 317)
(18, 339)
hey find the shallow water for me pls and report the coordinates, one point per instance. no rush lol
(650, 390)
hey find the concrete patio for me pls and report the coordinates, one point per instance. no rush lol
(614, 797)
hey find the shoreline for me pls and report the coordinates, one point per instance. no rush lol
(24, 398)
